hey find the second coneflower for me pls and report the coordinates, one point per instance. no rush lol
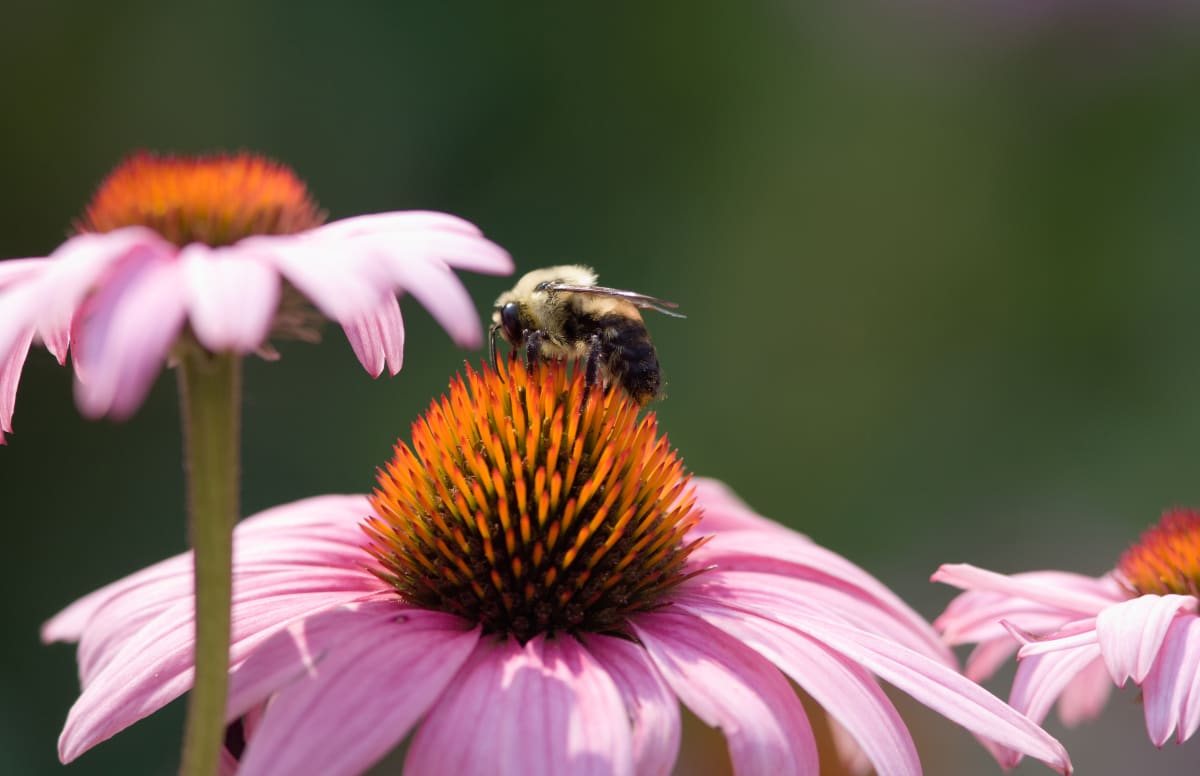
(542, 585)
(1077, 637)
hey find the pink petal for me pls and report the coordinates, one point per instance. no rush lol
(231, 297)
(318, 531)
(124, 337)
(1084, 696)
(724, 511)
(788, 556)
(1172, 689)
(818, 598)
(350, 685)
(78, 267)
(1083, 601)
(928, 681)
(851, 756)
(988, 656)
(14, 271)
(649, 703)
(154, 665)
(544, 709)
(729, 686)
(1041, 678)
(342, 283)
(10, 375)
(432, 283)
(448, 238)
(378, 338)
(844, 689)
(1132, 632)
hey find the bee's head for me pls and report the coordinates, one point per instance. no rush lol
(507, 322)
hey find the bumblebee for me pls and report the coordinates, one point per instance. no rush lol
(560, 312)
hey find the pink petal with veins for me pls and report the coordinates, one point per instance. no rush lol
(377, 338)
(1132, 632)
(731, 687)
(542, 709)
(360, 678)
(649, 703)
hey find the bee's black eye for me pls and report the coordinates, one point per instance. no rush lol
(510, 323)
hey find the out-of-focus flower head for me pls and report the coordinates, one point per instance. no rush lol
(227, 252)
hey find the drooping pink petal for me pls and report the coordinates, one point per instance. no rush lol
(844, 689)
(124, 337)
(378, 338)
(1076, 599)
(1172, 689)
(153, 666)
(729, 686)
(1042, 677)
(431, 283)
(649, 703)
(931, 682)
(544, 709)
(1131, 633)
(784, 556)
(347, 699)
(75, 269)
(1084, 696)
(10, 376)
(230, 299)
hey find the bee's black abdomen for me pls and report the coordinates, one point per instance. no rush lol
(628, 356)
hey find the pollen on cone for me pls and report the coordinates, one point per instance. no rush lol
(532, 503)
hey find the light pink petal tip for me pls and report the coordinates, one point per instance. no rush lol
(10, 376)
(377, 338)
(231, 299)
(1172, 689)
(543, 709)
(348, 686)
(731, 687)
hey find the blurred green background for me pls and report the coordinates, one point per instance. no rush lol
(939, 267)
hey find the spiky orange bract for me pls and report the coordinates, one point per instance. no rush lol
(216, 200)
(1167, 557)
(531, 503)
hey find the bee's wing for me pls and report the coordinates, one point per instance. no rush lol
(634, 298)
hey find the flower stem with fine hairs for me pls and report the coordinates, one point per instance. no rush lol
(210, 388)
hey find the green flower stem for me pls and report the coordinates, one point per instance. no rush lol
(210, 389)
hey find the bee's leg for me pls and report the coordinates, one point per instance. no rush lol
(533, 347)
(592, 370)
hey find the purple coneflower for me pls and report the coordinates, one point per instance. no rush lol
(1077, 636)
(229, 250)
(533, 588)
